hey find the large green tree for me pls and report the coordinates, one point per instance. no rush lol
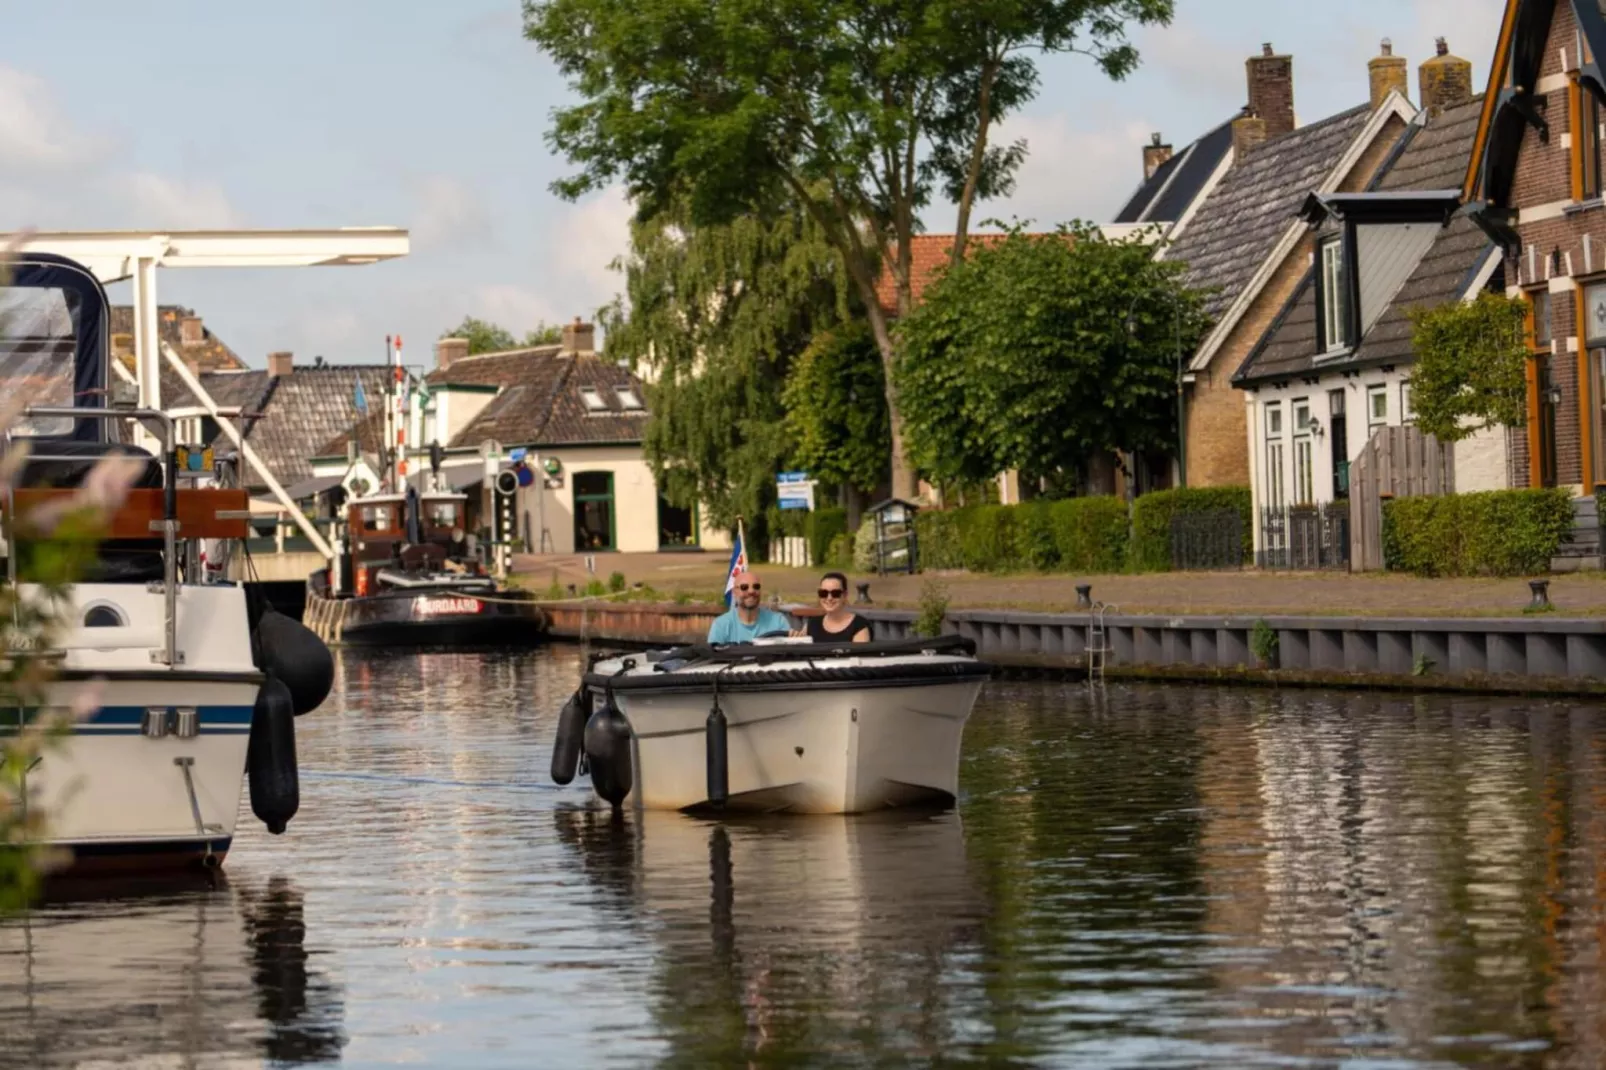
(836, 410)
(486, 337)
(712, 318)
(858, 110)
(1039, 352)
(1471, 366)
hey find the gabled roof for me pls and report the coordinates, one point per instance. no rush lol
(1455, 265)
(929, 254)
(1249, 224)
(305, 409)
(1509, 104)
(209, 354)
(540, 401)
(1166, 196)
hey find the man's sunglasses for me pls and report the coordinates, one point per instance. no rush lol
(831, 592)
(749, 586)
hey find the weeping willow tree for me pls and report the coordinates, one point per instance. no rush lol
(713, 320)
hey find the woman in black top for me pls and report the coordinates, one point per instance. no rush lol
(839, 624)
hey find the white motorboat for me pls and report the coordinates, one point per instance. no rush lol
(776, 725)
(184, 686)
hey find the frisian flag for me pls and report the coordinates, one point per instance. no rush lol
(738, 564)
(359, 399)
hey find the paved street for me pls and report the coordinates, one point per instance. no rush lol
(1336, 594)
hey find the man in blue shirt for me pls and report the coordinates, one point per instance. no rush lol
(746, 620)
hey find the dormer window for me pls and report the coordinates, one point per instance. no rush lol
(592, 400)
(1336, 299)
(628, 399)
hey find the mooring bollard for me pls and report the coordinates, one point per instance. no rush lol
(1084, 596)
(1541, 594)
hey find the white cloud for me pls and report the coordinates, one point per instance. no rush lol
(160, 202)
(449, 213)
(518, 308)
(34, 135)
(591, 235)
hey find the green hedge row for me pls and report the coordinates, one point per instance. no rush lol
(1151, 521)
(1491, 533)
(1075, 535)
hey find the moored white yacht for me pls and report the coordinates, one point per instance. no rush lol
(191, 684)
(780, 725)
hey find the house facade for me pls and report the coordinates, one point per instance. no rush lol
(1335, 366)
(1535, 183)
(1248, 249)
(579, 421)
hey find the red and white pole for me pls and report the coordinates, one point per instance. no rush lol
(401, 421)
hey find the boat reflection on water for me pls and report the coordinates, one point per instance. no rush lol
(792, 935)
(183, 974)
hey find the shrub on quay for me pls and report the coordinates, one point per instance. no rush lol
(1489, 533)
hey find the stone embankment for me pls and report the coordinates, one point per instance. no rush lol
(1539, 654)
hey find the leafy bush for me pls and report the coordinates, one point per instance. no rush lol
(595, 589)
(987, 537)
(840, 555)
(1490, 533)
(864, 545)
(937, 535)
(1151, 521)
(1089, 534)
(1032, 534)
(933, 609)
(616, 582)
(822, 527)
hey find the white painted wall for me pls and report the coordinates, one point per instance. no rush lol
(1482, 461)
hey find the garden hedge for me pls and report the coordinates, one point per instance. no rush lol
(1151, 521)
(1490, 533)
(1074, 535)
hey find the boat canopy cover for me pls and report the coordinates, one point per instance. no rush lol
(54, 324)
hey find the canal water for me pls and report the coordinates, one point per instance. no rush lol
(1136, 876)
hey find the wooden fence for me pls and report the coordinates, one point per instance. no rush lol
(1399, 462)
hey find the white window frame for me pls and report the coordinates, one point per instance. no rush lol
(592, 399)
(1276, 457)
(629, 400)
(1335, 295)
(1407, 413)
(1373, 392)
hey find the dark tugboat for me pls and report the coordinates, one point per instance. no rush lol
(404, 575)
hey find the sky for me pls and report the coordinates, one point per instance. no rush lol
(432, 115)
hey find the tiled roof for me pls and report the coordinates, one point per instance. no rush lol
(209, 354)
(1239, 223)
(929, 254)
(540, 402)
(1165, 196)
(305, 409)
(1434, 159)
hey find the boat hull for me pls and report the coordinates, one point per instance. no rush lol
(407, 619)
(817, 750)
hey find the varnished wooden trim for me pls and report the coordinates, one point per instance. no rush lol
(1497, 78)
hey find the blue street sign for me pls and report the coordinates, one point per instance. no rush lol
(792, 477)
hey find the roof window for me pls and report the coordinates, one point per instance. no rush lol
(593, 400)
(628, 399)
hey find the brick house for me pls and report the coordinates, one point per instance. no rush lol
(1248, 248)
(1335, 366)
(1535, 183)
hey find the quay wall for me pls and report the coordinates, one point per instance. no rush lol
(1514, 655)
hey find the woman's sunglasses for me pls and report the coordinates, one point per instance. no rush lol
(831, 592)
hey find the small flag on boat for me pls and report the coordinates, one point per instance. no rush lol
(738, 564)
(359, 400)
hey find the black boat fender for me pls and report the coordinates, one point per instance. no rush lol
(714, 730)
(293, 653)
(607, 748)
(270, 758)
(570, 735)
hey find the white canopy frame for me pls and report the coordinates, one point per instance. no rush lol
(114, 255)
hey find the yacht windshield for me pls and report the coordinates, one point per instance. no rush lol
(38, 340)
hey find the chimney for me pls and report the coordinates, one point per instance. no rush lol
(190, 331)
(1248, 133)
(1446, 80)
(280, 363)
(579, 337)
(1271, 90)
(1388, 74)
(450, 350)
(1154, 156)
